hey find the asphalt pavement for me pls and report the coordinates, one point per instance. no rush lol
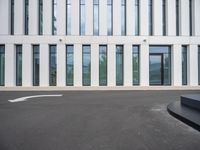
(94, 120)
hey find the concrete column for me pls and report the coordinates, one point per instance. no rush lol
(144, 17)
(89, 17)
(19, 17)
(103, 17)
(184, 17)
(130, 19)
(44, 65)
(176, 65)
(27, 66)
(144, 65)
(94, 65)
(193, 65)
(4, 17)
(128, 80)
(61, 65)
(77, 65)
(75, 18)
(117, 17)
(33, 17)
(10, 65)
(157, 17)
(111, 65)
(196, 17)
(171, 17)
(47, 17)
(61, 15)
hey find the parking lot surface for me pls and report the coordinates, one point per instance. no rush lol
(93, 120)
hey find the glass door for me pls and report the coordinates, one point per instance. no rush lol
(156, 69)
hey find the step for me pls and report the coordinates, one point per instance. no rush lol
(191, 100)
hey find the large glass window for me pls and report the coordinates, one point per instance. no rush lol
(184, 65)
(2, 65)
(150, 17)
(86, 65)
(96, 17)
(190, 15)
(36, 65)
(199, 63)
(119, 65)
(52, 65)
(137, 17)
(82, 17)
(110, 17)
(18, 65)
(54, 17)
(40, 18)
(177, 18)
(12, 17)
(160, 65)
(102, 65)
(136, 65)
(164, 16)
(123, 17)
(69, 65)
(69, 17)
(26, 17)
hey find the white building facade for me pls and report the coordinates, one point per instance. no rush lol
(99, 43)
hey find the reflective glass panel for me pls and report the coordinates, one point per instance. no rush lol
(52, 65)
(36, 65)
(86, 65)
(136, 65)
(184, 65)
(119, 65)
(96, 17)
(26, 17)
(2, 65)
(54, 17)
(103, 65)
(18, 65)
(123, 17)
(69, 65)
(40, 24)
(137, 17)
(82, 17)
(160, 65)
(110, 17)
(69, 17)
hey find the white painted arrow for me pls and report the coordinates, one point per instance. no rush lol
(21, 99)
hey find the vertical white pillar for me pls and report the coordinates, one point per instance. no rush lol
(75, 18)
(61, 65)
(61, 15)
(44, 65)
(19, 17)
(130, 11)
(144, 17)
(176, 65)
(27, 59)
(111, 65)
(10, 65)
(117, 17)
(128, 65)
(4, 17)
(47, 17)
(196, 17)
(193, 65)
(157, 17)
(144, 65)
(171, 17)
(89, 17)
(77, 65)
(94, 65)
(33, 17)
(184, 15)
(103, 17)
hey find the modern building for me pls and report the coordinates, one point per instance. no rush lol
(99, 43)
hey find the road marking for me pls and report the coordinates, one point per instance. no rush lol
(21, 99)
